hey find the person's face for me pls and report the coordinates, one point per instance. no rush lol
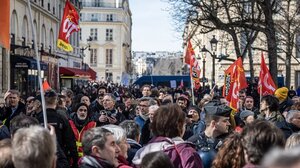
(127, 102)
(263, 106)
(144, 107)
(110, 151)
(124, 146)
(85, 100)
(13, 100)
(146, 92)
(242, 95)
(161, 95)
(151, 114)
(108, 103)
(296, 120)
(249, 103)
(182, 103)
(82, 112)
(63, 102)
(194, 114)
(222, 126)
(249, 119)
(29, 103)
(101, 91)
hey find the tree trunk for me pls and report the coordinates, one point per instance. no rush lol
(271, 40)
(251, 64)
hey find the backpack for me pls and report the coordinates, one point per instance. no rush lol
(183, 155)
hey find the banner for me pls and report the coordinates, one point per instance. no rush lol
(266, 85)
(194, 66)
(68, 25)
(4, 23)
(237, 83)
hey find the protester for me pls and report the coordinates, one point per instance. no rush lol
(168, 128)
(258, 138)
(80, 123)
(34, 147)
(6, 154)
(133, 137)
(183, 102)
(293, 141)
(129, 111)
(146, 134)
(99, 148)
(246, 117)
(146, 90)
(279, 158)
(110, 115)
(69, 96)
(156, 160)
(144, 104)
(269, 106)
(231, 153)
(86, 100)
(285, 101)
(63, 130)
(14, 107)
(121, 141)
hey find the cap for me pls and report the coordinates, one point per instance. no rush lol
(196, 108)
(218, 109)
(244, 114)
(50, 93)
(281, 93)
(183, 96)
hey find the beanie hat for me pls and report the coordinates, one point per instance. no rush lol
(196, 108)
(281, 93)
(244, 114)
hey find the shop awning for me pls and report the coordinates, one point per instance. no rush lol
(93, 73)
(67, 71)
(18, 61)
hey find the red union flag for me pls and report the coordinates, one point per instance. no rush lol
(266, 85)
(68, 25)
(191, 60)
(237, 83)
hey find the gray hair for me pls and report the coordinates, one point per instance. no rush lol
(282, 158)
(293, 141)
(290, 115)
(33, 147)
(153, 107)
(94, 137)
(119, 132)
(150, 100)
(132, 129)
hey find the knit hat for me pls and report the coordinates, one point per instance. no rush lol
(281, 93)
(196, 108)
(244, 114)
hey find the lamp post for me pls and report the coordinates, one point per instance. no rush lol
(82, 49)
(203, 69)
(213, 44)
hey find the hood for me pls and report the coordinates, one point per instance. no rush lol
(154, 147)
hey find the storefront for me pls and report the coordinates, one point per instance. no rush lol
(24, 74)
(69, 77)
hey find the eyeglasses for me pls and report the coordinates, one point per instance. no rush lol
(83, 110)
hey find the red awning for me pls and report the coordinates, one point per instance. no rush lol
(92, 73)
(67, 71)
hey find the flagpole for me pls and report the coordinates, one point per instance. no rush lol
(38, 64)
(192, 86)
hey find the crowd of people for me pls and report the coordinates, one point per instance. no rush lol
(108, 126)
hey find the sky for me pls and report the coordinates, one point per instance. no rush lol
(152, 27)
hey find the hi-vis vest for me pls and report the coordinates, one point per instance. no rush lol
(78, 135)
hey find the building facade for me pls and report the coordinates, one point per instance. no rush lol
(46, 16)
(105, 37)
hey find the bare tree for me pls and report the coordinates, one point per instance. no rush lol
(232, 17)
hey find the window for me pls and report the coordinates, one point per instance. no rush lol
(109, 34)
(109, 57)
(93, 34)
(297, 82)
(49, 7)
(42, 3)
(298, 46)
(109, 17)
(93, 58)
(94, 17)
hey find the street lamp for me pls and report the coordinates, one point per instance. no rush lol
(213, 44)
(82, 49)
(203, 68)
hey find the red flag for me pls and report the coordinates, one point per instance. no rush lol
(181, 84)
(68, 25)
(265, 83)
(4, 23)
(228, 77)
(189, 53)
(238, 82)
(46, 86)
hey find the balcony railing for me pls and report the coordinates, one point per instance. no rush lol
(100, 4)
